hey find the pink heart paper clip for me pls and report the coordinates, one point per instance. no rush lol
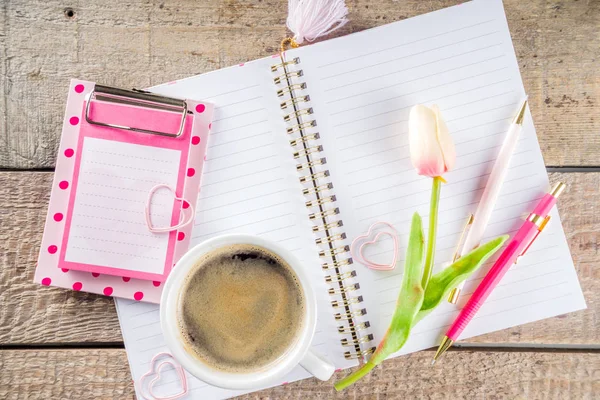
(148, 393)
(364, 239)
(182, 220)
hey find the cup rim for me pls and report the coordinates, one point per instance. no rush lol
(228, 380)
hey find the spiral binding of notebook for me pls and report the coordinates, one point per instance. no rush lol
(320, 200)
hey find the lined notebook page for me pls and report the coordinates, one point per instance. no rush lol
(362, 87)
(249, 185)
(107, 225)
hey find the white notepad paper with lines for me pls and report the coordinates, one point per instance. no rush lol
(347, 115)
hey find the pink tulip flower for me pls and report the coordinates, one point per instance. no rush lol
(431, 147)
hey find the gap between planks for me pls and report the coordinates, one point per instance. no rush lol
(461, 346)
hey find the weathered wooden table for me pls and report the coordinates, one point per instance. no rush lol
(57, 344)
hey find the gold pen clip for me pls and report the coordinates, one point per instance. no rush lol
(468, 224)
(541, 223)
(538, 220)
(453, 297)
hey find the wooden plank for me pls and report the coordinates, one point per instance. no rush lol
(4, 148)
(137, 43)
(564, 94)
(104, 374)
(62, 374)
(36, 314)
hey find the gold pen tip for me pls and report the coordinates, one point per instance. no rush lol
(521, 114)
(445, 345)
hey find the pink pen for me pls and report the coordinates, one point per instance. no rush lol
(526, 235)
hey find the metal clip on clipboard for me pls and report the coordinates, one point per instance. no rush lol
(139, 98)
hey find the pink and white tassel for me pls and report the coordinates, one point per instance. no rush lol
(311, 19)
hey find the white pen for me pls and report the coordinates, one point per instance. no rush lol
(491, 191)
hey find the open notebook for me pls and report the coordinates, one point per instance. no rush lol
(347, 102)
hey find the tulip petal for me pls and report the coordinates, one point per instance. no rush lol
(444, 140)
(425, 152)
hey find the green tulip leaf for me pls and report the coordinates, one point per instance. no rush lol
(409, 303)
(410, 297)
(443, 282)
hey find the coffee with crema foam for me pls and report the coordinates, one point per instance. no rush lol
(241, 308)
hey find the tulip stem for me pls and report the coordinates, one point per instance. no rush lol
(355, 376)
(432, 232)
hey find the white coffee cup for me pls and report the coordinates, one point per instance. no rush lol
(272, 374)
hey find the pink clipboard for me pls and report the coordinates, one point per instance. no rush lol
(96, 237)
